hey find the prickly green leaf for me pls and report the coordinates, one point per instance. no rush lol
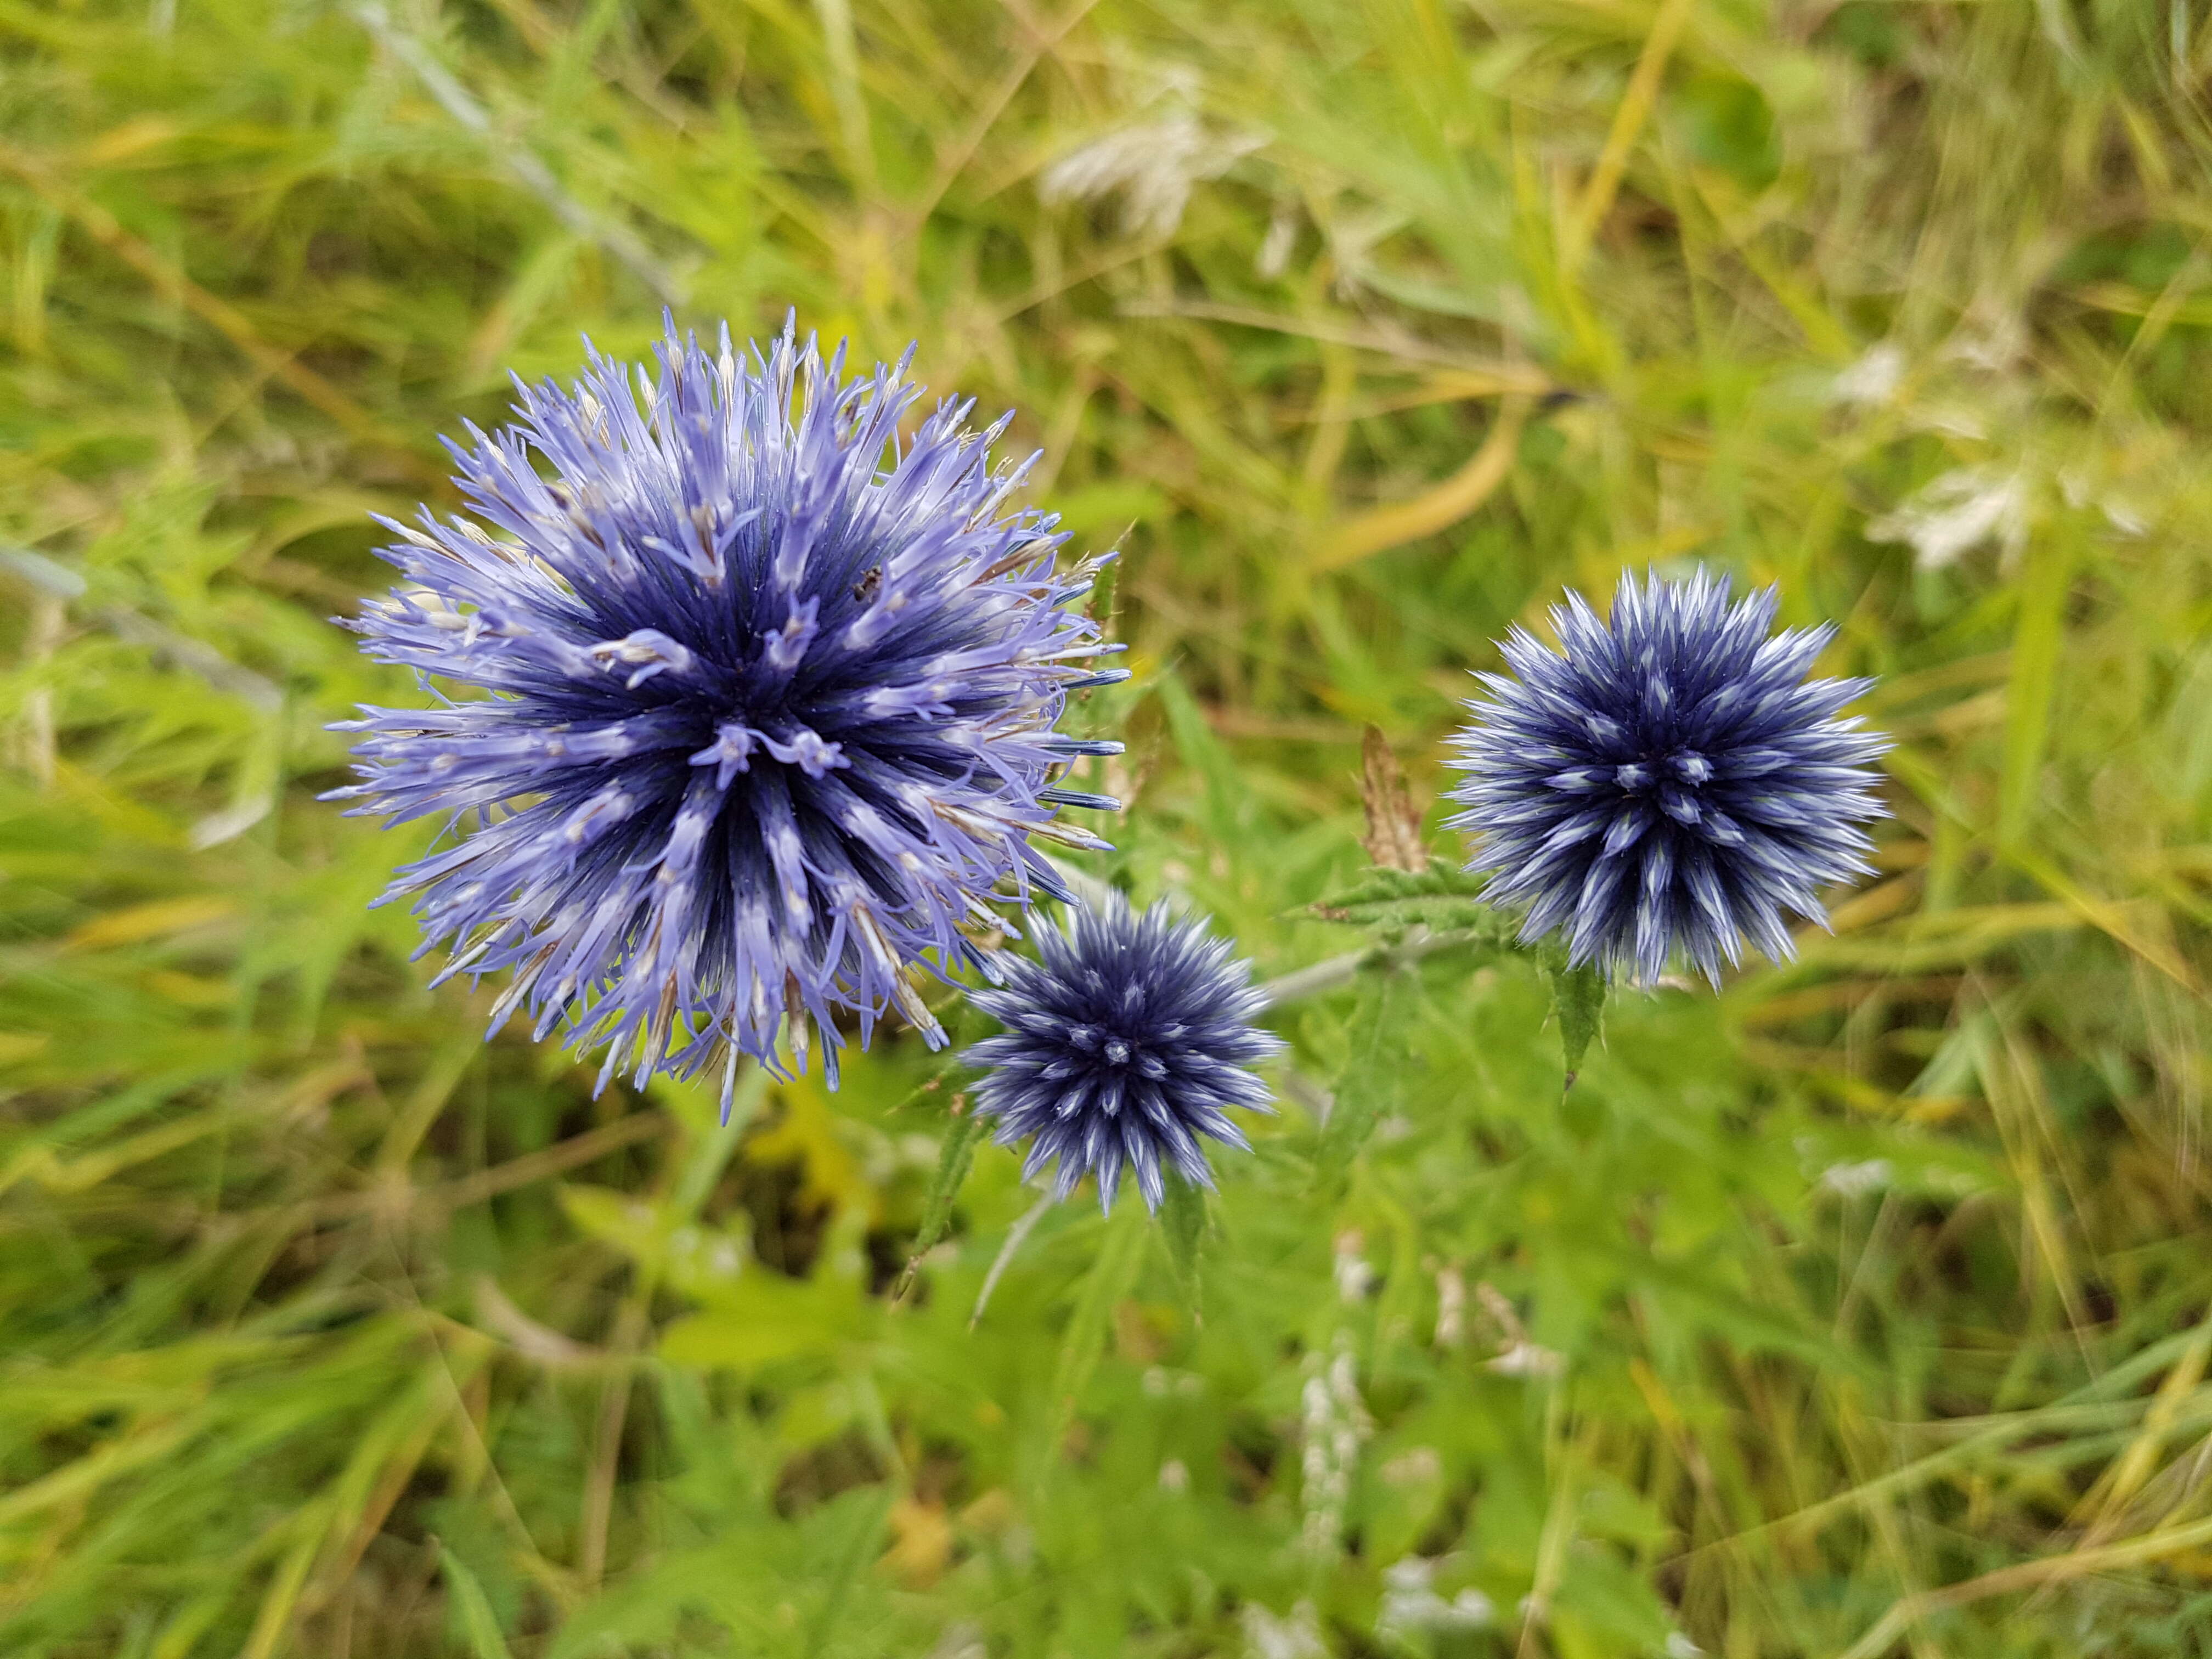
(1578, 997)
(1371, 1084)
(954, 1160)
(1440, 897)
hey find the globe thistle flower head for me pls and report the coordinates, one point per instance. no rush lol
(1125, 1042)
(765, 697)
(1669, 783)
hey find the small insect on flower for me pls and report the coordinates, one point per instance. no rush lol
(1669, 781)
(769, 692)
(1124, 1041)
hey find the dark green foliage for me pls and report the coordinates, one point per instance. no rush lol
(1578, 1001)
(954, 1159)
(1441, 897)
(1372, 1080)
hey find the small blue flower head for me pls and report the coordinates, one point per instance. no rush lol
(1669, 781)
(766, 696)
(1124, 1041)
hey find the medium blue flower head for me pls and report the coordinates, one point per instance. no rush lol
(1669, 781)
(1124, 1041)
(769, 690)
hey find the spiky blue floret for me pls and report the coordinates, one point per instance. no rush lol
(1667, 782)
(771, 698)
(1125, 1042)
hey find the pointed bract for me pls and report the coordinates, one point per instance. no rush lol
(1668, 783)
(769, 690)
(1126, 1041)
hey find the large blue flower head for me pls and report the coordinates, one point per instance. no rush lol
(769, 692)
(1670, 781)
(1125, 1040)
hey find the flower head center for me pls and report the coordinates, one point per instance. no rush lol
(1112, 1049)
(1677, 772)
(1671, 782)
(736, 743)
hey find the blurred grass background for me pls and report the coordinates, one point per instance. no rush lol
(1860, 1310)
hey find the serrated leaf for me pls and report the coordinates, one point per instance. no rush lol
(1369, 1085)
(1377, 885)
(1439, 897)
(1578, 997)
(954, 1160)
